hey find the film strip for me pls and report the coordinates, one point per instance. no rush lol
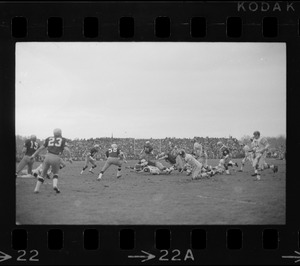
(275, 240)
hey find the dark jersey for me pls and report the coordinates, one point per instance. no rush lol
(93, 152)
(171, 158)
(114, 153)
(31, 146)
(225, 151)
(148, 149)
(55, 145)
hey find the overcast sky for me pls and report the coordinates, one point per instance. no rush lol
(144, 89)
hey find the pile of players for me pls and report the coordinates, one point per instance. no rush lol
(195, 164)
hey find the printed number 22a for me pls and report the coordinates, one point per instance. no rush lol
(176, 255)
(34, 253)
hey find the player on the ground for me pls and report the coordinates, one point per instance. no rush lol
(90, 158)
(195, 165)
(114, 157)
(226, 157)
(147, 152)
(29, 148)
(55, 145)
(260, 147)
(171, 156)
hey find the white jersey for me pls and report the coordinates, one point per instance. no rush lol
(192, 161)
(246, 149)
(259, 144)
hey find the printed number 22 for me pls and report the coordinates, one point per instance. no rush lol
(32, 258)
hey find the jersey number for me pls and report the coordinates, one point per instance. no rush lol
(55, 142)
(33, 145)
(112, 150)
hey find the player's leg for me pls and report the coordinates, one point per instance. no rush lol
(179, 163)
(93, 165)
(119, 164)
(105, 167)
(62, 163)
(55, 169)
(243, 164)
(41, 178)
(162, 168)
(85, 164)
(22, 164)
(257, 166)
(196, 172)
(29, 166)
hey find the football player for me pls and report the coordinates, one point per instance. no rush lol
(147, 152)
(226, 157)
(195, 165)
(55, 146)
(248, 156)
(171, 156)
(114, 157)
(260, 147)
(90, 158)
(29, 148)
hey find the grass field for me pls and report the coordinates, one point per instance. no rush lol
(154, 199)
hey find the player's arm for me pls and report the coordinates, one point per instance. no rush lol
(67, 149)
(37, 152)
(24, 149)
(162, 157)
(122, 156)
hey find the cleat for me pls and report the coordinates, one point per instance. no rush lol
(36, 192)
(118, 176)
(48, 176)
(91, 171)
(275, 169)
(255, 174)
(98, 178)
(56, 190)
(240, 170)
(236, 164)
(81, 172)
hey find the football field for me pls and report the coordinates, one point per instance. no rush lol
(154, 199)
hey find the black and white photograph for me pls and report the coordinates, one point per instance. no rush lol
(150, 133)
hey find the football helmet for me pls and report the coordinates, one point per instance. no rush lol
(57, 132)
(114, 146)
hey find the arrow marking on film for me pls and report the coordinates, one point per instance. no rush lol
(293, 257)
(4, 257)
(148, 257)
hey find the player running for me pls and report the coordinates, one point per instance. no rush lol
(114, 157)
(260, 147)
(90, 158)
(55, 146)
(29, 148)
